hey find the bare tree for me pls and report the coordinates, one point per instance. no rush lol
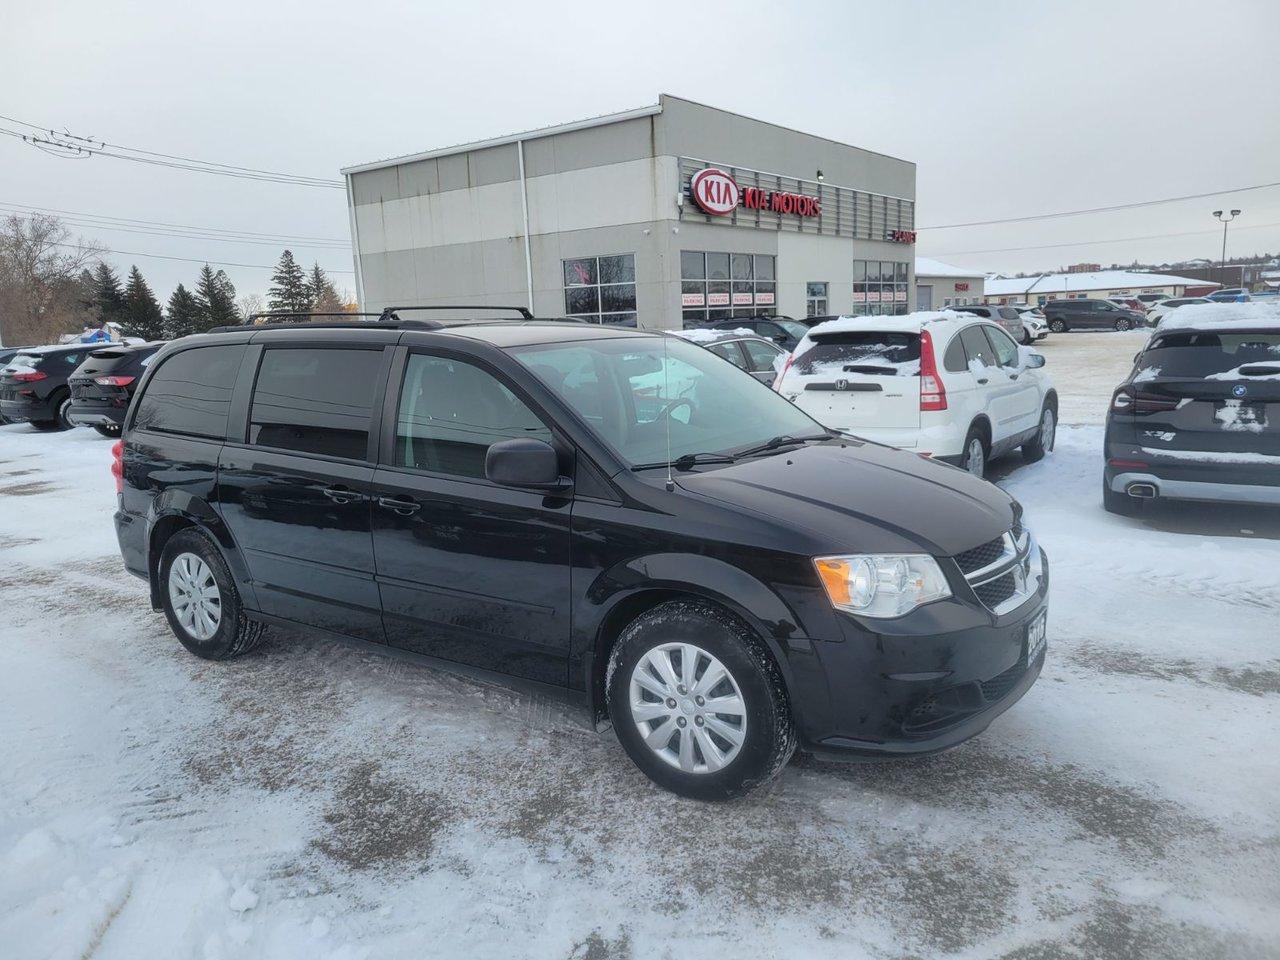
(41, 289)
(248, 305)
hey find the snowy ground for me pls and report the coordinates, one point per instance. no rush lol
(320, 801)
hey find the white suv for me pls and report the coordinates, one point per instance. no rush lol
(945, 385)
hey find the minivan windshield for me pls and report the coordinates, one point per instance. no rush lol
(632, 390)
(1193, 353)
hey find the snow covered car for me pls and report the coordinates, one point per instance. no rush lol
(946, 385)
(705, 566)
(1161, 309)
(1199, 416)
(1034, 325)
(744, 349)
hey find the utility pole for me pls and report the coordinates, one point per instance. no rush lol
(1222, 263)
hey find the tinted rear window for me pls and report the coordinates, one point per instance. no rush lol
(190, 392)
(315, 401)
(862, 351)
(1191, 354)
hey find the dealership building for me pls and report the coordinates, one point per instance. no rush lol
(672, 215)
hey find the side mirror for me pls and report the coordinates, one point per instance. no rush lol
(524, 462)
(1035, 361)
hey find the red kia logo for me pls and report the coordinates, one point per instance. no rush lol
(714, 191)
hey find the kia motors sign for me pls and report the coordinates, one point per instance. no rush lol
(714, 191)
(780, 201)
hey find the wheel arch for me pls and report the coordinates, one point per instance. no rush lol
(685, 577)
(176, 510)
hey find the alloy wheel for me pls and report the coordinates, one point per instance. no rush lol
(688, 707)
(976, 459)
(194, 596)
(1048, 429)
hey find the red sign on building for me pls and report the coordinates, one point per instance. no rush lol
(962, 285)
(714, 191)
(901, 236)
(779, 201)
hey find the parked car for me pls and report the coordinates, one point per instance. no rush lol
(1147, 299)
(1034, 326)
(1196, 417)
(1006, 317)
(104, 383)
(957, 390)
(783, 331)
(1230, 295)
(711, 570)
(1085, 314)
(1162, 308)
(7, 354)
(33, 387)
(745, 350)
(1129, 303)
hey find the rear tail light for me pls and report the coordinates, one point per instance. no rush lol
(777, 381)
(117, 464)
(113, 381)
(30, 376)
(1128, 400)
(933, 395)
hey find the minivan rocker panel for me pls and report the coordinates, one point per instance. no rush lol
(710, 566)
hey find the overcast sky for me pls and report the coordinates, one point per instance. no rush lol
(1008, 109)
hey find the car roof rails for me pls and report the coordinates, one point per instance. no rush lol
(292, 319)
(392, 313)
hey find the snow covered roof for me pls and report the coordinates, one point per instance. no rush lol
(928, 267)
(1087, 282)
(1240, 316)
(907, 323)
(711, 335)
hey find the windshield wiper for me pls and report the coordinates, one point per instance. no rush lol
(783, 440)
(689, 460)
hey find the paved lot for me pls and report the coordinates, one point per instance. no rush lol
(317, 800)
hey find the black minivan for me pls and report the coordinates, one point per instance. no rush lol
(613, 512)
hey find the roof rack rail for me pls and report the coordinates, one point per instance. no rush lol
(390, 312)
(292, 320)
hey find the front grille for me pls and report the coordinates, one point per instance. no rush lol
(997, 687)
(981, 556)
(997, 591)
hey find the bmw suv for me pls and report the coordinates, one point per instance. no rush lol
(620, 514)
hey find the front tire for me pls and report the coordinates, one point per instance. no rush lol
(698, 702)
(1035, 449)
(1058, 326)
(1123, 324)
(201, 601)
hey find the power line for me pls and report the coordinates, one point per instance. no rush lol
(1118, 206)
(160, 223)
(160, 256)
(181, 234)
(73, 145)
(1090, 243)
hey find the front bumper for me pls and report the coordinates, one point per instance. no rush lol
(941, 677)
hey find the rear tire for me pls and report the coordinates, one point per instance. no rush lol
(976, 452)
(1058, 326)
(1123, 324)
(201, 601)
(107, 429)
(680, 744)
(1035, 449)
(1120, 503)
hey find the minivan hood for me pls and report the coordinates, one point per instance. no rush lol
(863, 497)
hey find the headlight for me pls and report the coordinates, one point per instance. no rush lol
(886, 585)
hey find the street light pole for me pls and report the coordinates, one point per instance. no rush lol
(1222, 264)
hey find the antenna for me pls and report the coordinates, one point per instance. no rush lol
(666, 399)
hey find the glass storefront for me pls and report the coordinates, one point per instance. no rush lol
(601, 289)
(718, 286)
(879, 287)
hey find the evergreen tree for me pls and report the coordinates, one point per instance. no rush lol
(216, 296)
(108, 298)
(289, 289)
(142, 316)
(185, 315)
(324, 295)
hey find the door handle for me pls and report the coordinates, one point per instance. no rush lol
(1013, 376)
(983, 382)
(342, 495)
(406, 508)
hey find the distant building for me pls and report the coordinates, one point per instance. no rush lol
(1100, 284)
(1247, 275)
(1084, 268)
(940, 285)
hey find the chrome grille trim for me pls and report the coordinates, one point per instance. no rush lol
(1021, 559)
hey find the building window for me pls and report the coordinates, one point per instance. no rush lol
(879, 287)
(718, 286)
(601, 289)
(815, 300)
